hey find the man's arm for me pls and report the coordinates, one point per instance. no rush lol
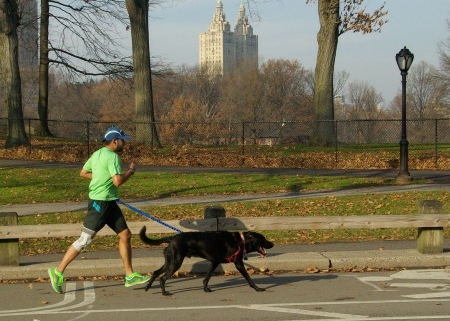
(120, 179)
(86, 174)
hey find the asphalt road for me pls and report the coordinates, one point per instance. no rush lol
(393, 295)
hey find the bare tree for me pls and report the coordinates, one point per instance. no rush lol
(442, 75)
(43, 70)
(9, 21)
(363, 101)
(333, 23)
(208, 91)
(27, 32)
(444, 56)
(145, 114)
(428, 92)
(363, 104)
(339, 81)
(285, 88)
(421, 89)
(86, 37)
(243, 96)
(84, 44)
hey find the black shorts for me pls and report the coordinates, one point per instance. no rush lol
(101, 213)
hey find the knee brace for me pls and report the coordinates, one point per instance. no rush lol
(84, 240)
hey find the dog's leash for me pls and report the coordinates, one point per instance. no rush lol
(134, 209)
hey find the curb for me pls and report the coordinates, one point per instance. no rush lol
(285, 262)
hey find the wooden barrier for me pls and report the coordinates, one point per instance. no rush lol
(242, 223)
(334, 222)
(69, 230)
(420, 221)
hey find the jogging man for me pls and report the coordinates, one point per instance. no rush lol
(104, 169)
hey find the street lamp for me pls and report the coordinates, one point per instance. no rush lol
(404, 60)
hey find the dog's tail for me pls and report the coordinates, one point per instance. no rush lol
(150, 241)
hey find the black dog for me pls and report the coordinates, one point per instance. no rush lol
(216, 247)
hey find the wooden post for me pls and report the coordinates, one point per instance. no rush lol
(430, 240)
(9, 248)
(214, 212)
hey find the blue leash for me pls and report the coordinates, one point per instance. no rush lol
(148, 216)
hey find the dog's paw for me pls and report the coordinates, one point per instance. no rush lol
(260, 289)
(206, 289)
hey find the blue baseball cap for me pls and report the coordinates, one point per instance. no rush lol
(115, 133)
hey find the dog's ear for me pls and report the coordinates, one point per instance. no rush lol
(250, 235)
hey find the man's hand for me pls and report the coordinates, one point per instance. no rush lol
(132, 167)
(120, 179)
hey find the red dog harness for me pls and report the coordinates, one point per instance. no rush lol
(233, 258)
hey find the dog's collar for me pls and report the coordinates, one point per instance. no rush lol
(243, 242)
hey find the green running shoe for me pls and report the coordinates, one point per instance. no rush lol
(57, 280)
(135, 279)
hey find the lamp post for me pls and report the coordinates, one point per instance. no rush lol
(404, 60)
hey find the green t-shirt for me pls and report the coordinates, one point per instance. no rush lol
(103, 164)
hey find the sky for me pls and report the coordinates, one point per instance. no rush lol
(287, 29)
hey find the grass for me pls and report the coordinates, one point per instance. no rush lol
(23, 185)
(32, 185)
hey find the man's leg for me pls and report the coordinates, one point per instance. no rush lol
(125, 250)
(72, 252)
(117, 223)
(57, 274)
(70, 255)
(131, 278)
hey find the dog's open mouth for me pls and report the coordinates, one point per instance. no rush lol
(262, 252)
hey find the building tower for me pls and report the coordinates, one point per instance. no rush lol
(246, 41)
(222, 50)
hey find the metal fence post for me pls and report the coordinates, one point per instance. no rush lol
(243, 143)
(436, 142)
(88, 134)
(336, 141)
(29, 135)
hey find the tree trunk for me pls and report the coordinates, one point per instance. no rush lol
(327, 40)
(43, 71)
(9, 46)
(145, 115)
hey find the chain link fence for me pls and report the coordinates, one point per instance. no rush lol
(356, 144)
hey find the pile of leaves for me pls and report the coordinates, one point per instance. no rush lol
(232, 157)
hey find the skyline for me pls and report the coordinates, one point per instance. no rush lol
(287, 30)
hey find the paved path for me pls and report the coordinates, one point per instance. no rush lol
(43, 208)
